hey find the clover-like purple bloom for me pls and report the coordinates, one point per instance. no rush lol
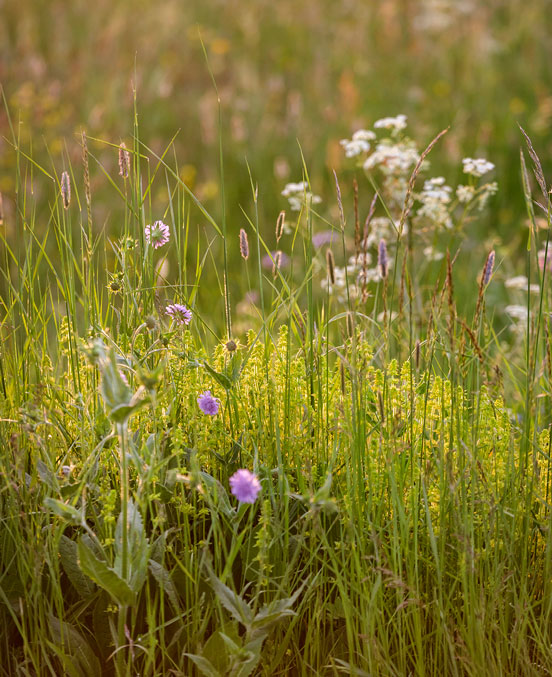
(208, 404)
(157, 235)
(179, 313)
(245, 486)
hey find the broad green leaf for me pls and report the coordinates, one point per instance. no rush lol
(71, 646)
(231, 601)
(216, 648)
(271, 614)
(205, 666)
(166, 583)
(138, 548)
(104, 576)
(224, 381)
(217, 493)
(67, 512)
(47, 476)
(68, 553)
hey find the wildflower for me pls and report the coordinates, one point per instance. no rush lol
(364, 135)
(269, 260)
(245, 486)
(231, 346)
(124, 161)
(465, 193)
(150, 322)
(179, 313)
(544, 256)
(396, 124)
(298, 194)
(65, 190)
(393, 158)
(157, 235)
(517, 312)
(65, 471)
(354, 148)
(208, 404)
(431, 254)
(244, 244)
(128, 243)
(322, 238)
(435, 197)
(519, 283)
(477, 167)
(115, 286)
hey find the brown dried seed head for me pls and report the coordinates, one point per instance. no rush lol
(124, 161)
(280, 225)
(330, 266)
(277, 263)
(244, 244)
(65, 190)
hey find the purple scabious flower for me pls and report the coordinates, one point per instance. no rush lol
(279, 257)
(208, 404)
(324, 237)
(245, 486)
(179, 313)
(158, 234)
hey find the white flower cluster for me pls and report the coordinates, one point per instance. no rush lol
(397, 123)
(381, 228)
(359, 274)
(485, 192)
(520, 283)
(465, 194)
(393, 158)
(360, 142)
(432, 254)
(517, 312)
(435, 198)
(298, 194)
(477, 166)
(438, 15)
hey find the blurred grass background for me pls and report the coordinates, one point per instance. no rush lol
(309, 71)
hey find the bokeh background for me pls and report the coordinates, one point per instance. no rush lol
(291, 74)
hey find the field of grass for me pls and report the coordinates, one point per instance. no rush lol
(276, 368)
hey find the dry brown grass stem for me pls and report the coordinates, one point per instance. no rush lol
(280, 221)
(410, 189)
(357, 220)
(537, 167)
(339, 202)
(474, 342)
(452, 311)
(330, 266)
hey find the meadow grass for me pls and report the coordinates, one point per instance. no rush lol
(398, 423)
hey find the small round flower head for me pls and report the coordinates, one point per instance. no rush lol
(397, 123)
(245, 486)
(179, 313)
(157, 235)
(208, 404)
(477, 166)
